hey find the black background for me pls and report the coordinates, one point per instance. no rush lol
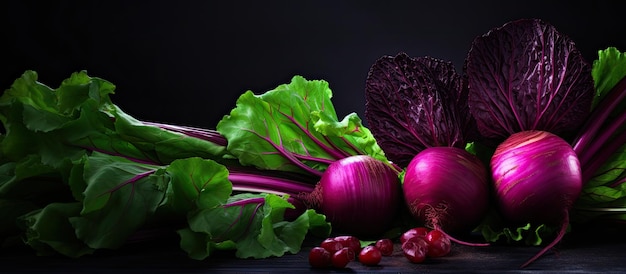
(186, 62)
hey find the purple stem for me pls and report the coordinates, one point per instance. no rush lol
(268, 184)
(332, 152)
(212, 136)
(137, 160)
(602, 140)
(244, 202)
(591, 167)
(258, 201)
(336, 148)
(315, 159)
(131, 181)
(598, 116)
(289, 155)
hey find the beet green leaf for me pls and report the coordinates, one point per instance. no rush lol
(197, 183)
(605, 156)
(294, 127)
(62, 124)
(49, 230)
(120, 196)
(607, 71)
(80, 175)
(252, 224)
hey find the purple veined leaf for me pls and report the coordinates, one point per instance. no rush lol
(120, 196)
(525, 75)
(416, 103)
(294, 128)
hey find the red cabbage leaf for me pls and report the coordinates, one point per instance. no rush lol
(415, 103)
(525, 75)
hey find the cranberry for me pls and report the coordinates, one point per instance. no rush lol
(438, 244)
(370, 255)
(413, 232)
(385, 246)
(415, 249)
(342, 257)
(319, 257)
(351, 242)
(331, 245)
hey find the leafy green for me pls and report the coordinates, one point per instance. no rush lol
(295, 128)
(78, 174)
(607, 71)
(251, 224)
(119, 197)
(49, 231)
(63, 123)
(604, 194)
(496, 230)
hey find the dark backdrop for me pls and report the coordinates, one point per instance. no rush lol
(186, 62)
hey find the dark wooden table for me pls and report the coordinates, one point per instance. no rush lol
(592, 250)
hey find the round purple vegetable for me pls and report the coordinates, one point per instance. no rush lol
(537, 177)
(447, 189)
(418, 111)
(359, 195)
(528, 86)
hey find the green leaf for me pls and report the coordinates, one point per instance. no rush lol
(30, 180)
(532, 235)
(198, 183)
(273, 228)
(166, 146)
(611, 171)
(29, 91)
(63, 123)
(96, 175)
(604, 192)
(49, 229)
(37, 124)
(604, 195)
(79, 88)
(120, 196)
(76, 180)
(293, 127)
(349, 129)
(495, 229)
(253, 223)
(10, 210)
(196, 244)
(607, 71)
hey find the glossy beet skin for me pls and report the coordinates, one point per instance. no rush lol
(447, 188)
(536, 176)
(359, 195)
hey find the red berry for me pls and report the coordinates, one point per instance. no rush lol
(370, 255)
(438, 244)
(385, 246)
(351, 242)
(415, 249)
(342, 257)
(319, 257)
(413, 232)
(331, 245)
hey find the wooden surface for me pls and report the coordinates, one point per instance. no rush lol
(587, 251)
